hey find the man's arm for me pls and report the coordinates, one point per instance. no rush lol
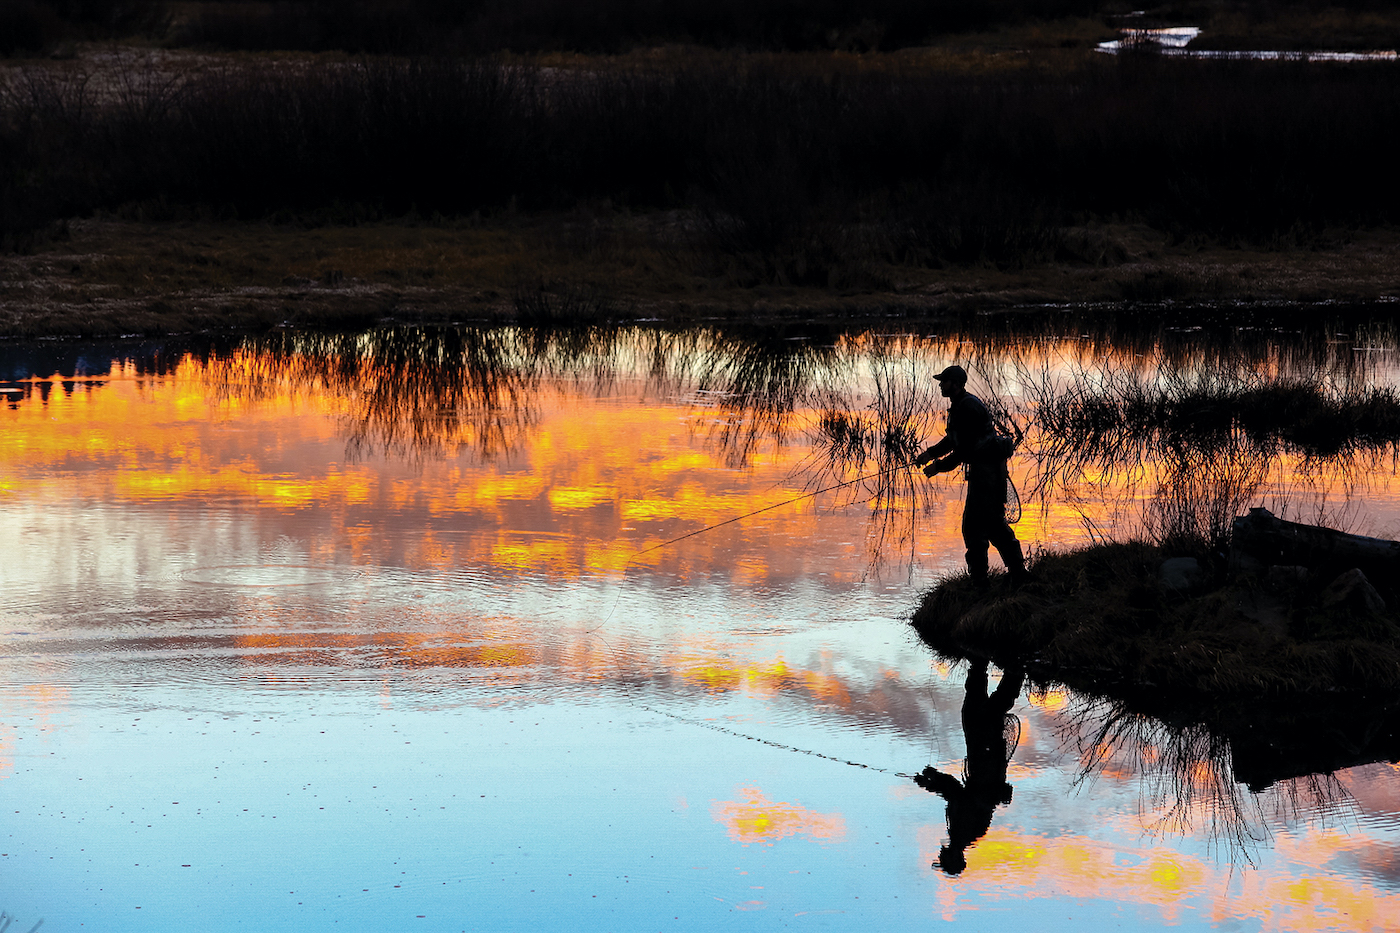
(936, 782)
(943, 465)
(1007, 692)
(937, 450)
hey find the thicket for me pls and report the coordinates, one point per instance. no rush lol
(418, 26)
(803, 176)
(458, 26)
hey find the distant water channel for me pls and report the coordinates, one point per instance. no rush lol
(1174, 41)
(373, 632)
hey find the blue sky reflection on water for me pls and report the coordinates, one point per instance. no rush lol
(249, 680)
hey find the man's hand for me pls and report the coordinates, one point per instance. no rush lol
(933, 469)
(924, 457)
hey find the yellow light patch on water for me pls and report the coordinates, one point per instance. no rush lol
(712, 677)
(537, 554)
(565, 498)
(753, 818)
(1052, 701)
(485, 491)
(1005, 863)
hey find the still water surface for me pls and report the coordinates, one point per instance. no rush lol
(347, 633)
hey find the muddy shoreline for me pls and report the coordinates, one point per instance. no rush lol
(111, 277)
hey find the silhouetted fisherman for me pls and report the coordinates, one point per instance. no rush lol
(972, 442)
(991, 733)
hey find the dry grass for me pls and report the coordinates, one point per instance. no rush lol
(106, 276)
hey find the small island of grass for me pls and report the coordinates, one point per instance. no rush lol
(1106, 620)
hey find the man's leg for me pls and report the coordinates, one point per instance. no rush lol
(974, 532)
(1004, 540)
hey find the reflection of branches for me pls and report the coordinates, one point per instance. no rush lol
(1187, 775)
(1202, 429)
(421, 391)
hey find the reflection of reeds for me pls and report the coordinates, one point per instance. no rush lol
(406, 390)
(1202, 430)
(1188, 778)
(872, 447)
(1213, 431)
(756, 383)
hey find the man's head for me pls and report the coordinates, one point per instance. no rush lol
(951, 381)
(952, 860)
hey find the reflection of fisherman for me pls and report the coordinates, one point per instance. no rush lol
(972, 441)
(991, 732)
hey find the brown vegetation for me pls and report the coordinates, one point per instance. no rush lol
(113, 276)
(1004, 166)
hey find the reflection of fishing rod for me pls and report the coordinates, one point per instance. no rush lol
(704, 724)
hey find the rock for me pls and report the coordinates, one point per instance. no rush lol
(1182, 573)
(1354, 593)
(1288, 576)
(1274, 541)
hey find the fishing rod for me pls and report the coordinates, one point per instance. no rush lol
(1013, 495)
(769, 508)
(699, 531)
(729, 521)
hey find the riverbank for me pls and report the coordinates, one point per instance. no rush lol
(1107, 619)
(752, 179)
(108, 276)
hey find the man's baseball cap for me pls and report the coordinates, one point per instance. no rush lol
(953, 374)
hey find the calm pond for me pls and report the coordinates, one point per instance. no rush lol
(382, 632)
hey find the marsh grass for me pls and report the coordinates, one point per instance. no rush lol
(546, 305)
(1206, 434)
(1099, 618)
(785, 173)
(871, 447)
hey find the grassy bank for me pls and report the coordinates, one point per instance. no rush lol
(1100, 619)
(113, 276)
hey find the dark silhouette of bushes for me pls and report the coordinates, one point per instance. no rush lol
(799, 174)
(28, 26)
(420, 26)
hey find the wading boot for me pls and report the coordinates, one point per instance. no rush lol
(1016, 566)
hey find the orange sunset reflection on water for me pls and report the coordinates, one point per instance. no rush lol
(598, 482)
(519, 554)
